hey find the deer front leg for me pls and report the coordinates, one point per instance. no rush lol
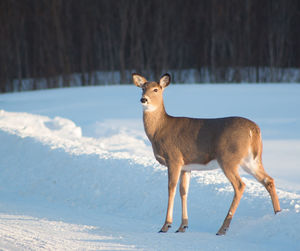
(184, 188)
(173, 177)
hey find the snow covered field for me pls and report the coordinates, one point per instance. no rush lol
(77, 171)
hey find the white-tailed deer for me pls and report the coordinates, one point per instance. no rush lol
(186, 144)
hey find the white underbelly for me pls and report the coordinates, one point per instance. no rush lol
(198, 167)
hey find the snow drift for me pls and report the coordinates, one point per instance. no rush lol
(78, 159)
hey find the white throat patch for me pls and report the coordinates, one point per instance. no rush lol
(149, 107)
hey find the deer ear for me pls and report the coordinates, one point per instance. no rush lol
(138, 80)
(165, 80)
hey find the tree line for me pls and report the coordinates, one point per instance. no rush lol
(48, 43)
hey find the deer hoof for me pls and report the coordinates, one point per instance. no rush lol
(165, 228)
(278, 211)
(222, 231)
(181, 229)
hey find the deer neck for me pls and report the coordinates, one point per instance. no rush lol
(154, 120)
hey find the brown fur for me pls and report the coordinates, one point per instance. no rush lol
(180, 141)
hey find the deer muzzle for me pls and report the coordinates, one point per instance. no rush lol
(143, 100)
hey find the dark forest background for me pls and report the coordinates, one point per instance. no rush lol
(54, 43)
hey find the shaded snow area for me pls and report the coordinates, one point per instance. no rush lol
(78, 173)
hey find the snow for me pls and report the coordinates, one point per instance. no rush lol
(78, 173)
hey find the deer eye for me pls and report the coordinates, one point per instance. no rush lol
(155, 90)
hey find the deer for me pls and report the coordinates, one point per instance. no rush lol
(185, 144)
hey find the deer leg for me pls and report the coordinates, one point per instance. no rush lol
(173, 177)
(269, 184)
(184, 188)
(238, 186)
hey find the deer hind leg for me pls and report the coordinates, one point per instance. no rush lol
(239, 187)
(256, 169)
(184, 188)
(173, 177)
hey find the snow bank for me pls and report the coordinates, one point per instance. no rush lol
(82, 152)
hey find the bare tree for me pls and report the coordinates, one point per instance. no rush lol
(221, 40)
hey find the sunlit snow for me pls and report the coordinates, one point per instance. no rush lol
(78, 173)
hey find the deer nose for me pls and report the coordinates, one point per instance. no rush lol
(143, 100)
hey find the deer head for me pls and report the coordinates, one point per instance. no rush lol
(152, 91)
